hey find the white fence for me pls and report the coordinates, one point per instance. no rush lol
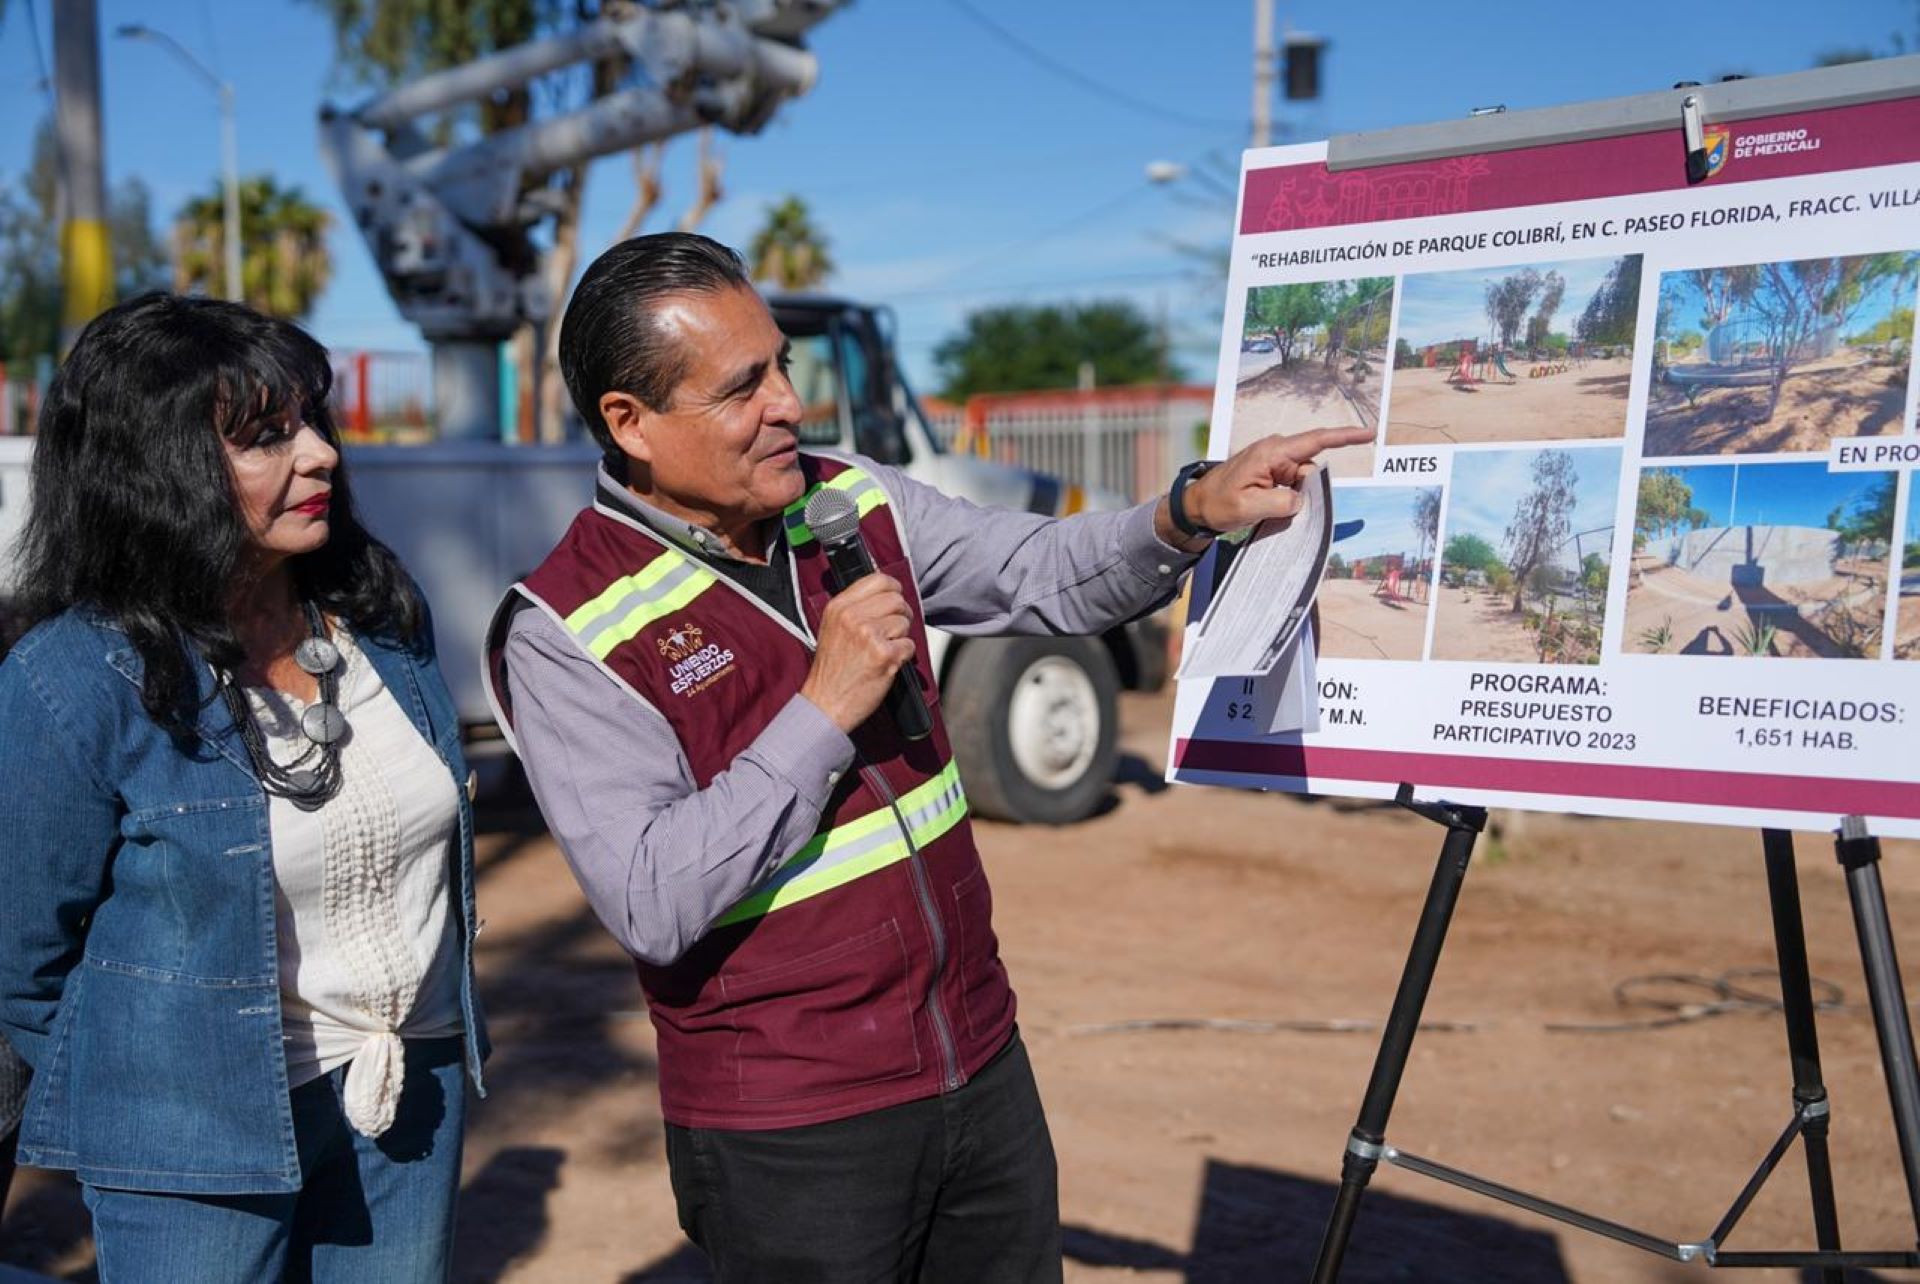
(1128, 441)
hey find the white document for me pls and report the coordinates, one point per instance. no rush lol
(1284, 700)
(1266, 594)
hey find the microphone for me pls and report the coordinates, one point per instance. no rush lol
(835, 522)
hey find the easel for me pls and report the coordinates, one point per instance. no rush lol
(1859, 856)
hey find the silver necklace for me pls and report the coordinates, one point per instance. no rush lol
(310, 780)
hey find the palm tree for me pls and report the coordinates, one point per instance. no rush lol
(284, 260)
(789, 250)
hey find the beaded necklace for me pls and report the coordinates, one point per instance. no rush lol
(305, 782)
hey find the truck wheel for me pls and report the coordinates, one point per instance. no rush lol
(1033, 723)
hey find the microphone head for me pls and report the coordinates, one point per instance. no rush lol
(832, 516)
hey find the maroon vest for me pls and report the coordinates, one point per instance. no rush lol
(865, 972)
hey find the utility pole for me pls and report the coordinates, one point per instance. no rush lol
(86, 255)
(229, 148)
(1262, 73)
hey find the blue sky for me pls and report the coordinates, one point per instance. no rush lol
(1438, 306)
(950, 171)
(1772, 494)
(1682, 304)
(1388, 512)
(1488, 483)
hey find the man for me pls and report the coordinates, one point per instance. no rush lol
(846, 1096)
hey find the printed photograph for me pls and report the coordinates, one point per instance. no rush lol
(1772, 357)
(1374, 599)
(1524, 564)
(1759, 559)
(1538, 353)
(1313, 354)
(1906, 620)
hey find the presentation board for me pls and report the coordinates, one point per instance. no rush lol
(1637, 532)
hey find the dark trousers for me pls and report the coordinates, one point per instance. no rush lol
(955, 1189)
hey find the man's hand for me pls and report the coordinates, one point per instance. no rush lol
(863, 643)
(1259, 482)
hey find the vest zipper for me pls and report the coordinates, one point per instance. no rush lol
(950, 1077)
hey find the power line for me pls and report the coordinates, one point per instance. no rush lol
(1002, 253)
(1067, 72)
(39, 55)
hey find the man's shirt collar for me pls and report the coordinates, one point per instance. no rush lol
(695, 539)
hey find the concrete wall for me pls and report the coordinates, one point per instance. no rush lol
(1753, 555)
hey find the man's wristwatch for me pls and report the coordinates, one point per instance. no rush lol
(1176, 500)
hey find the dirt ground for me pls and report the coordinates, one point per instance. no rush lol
(1209, 1155)
(1477, 625)
(1309, 396)
(1845, 395)
(1585, 401)
(1357, 624)
(1906, 629)
(1831, 618)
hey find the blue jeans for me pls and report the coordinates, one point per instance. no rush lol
(369, 1208)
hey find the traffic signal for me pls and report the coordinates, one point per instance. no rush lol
(1303, 66)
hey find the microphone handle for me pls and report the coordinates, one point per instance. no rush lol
(848, 560)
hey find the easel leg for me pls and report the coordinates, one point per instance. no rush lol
(1859, 854)
(1365, 1143)
(1803, 1042)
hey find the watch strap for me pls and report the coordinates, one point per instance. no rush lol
(1176, 501)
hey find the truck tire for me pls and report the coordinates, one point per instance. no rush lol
(1033, 723)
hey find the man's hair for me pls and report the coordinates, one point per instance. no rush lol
(611, 339)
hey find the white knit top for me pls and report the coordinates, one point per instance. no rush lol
(369, 951)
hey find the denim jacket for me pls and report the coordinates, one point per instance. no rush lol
(138, 963)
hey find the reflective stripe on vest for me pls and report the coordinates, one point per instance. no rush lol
(632, 602)
(859, 847)
(866, 494)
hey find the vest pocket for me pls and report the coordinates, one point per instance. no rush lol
(986, 999)
(837, 1018)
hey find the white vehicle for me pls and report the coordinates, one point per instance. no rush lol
(1032, 719)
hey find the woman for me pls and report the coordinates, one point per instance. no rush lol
(236, 944)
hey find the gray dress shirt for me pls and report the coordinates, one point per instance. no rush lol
(660, 859)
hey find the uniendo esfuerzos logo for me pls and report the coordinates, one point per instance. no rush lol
(696, 663)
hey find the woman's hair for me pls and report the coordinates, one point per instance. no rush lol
(134, 514)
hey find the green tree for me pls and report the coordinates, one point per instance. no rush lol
(1286, 312)
(1023, 347)
(30, 250)
(1611, 314)
(788, 250)
(1795, 303)
(1357, 313)
(1593, 575)
(1542, 518)
(1665, 503)
(284, 260)
(1469, 552)
(1869, 518)
(1426, 519)
(1508, 300)
(1553, 288)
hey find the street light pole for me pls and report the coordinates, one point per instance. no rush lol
(230, 181)
(229, 147)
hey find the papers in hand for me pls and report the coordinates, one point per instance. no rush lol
(1265, 592)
